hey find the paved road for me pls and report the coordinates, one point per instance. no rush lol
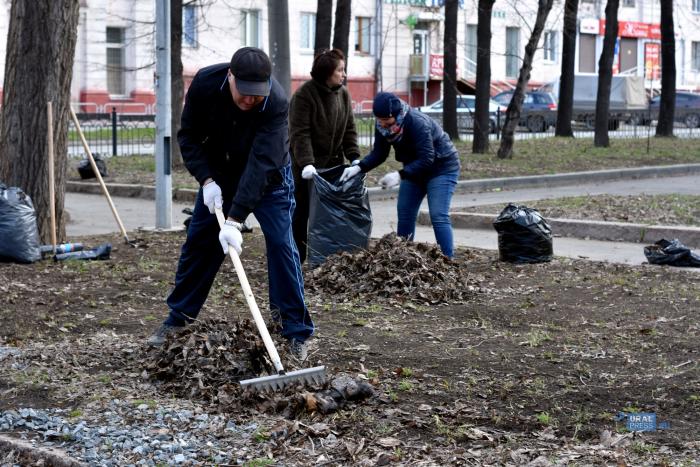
(90, 214)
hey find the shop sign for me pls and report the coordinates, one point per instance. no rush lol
(635, 29)
(652, 60)
(437, 66)
(589, 26)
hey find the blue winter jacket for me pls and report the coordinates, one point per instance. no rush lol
(424, 149)
(243, 152)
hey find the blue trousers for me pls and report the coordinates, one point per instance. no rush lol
(202, 255)
(439, 190)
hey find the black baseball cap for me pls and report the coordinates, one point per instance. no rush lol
(252, 69)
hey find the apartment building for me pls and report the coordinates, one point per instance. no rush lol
(395, 45)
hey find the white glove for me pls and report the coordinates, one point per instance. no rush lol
(355, 162)
(212, 196)
(230, 235)
(308, 172)
(350, 172)
(390, 180)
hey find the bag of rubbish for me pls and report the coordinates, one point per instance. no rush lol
(671, 253)
(19, 236)
(340, 218)
(524, 236)
(85, 168)
(100, 252)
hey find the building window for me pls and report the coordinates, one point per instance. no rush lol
(512, 51)
(471, 49)
(251, 28)
(308, 30)
(363, 30)
(550, 46)
(628, 3)
(696, 6)
(695, 58)
(189, 26)
(115, 60)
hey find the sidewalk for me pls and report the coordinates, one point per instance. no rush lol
(90, 214)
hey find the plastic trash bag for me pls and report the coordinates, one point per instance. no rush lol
(340, 218)
(524, 236)
(671, 253)
(19, 236)
(85, 168)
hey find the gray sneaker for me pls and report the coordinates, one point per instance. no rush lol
(158, 338)
(298, 349)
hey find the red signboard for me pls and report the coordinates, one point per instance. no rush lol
(652, 60)
(437, 66)
(635, 29)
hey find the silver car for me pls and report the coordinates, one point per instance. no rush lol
(465, 113)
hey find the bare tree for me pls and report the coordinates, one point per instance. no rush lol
(279, 43)
(565, 108)
(667, 107)
(482, 88)
(449, 89)
(38, 69)
(177, 86)
(341, 32)
(324, 22)
(602, 106)
(505, 151)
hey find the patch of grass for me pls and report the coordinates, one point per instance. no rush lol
(342, 333)
(405, 386)
(406, 372)
(75, 413)
(372, 373)
(536, 337)
(260, 462)
(260, 435)
(360, 322)
(544, 418)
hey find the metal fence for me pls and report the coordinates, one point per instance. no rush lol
(114, 134)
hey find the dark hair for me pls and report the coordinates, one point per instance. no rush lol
(325, 63)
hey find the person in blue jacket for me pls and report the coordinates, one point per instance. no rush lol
(234, 140)
(430, 166)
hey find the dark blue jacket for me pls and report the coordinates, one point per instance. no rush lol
(424, 149)
(242, 151)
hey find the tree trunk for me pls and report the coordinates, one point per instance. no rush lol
(177, 86)
(667, 106)
(505, 151)
(278, 30)
(482, 91)
(602, 106)
(324, 22)
(565, 107)
(38, 69)
(449, 89)
(341, 32)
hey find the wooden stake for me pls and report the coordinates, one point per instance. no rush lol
(52, 183)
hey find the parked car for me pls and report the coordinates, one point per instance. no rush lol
(687, 109)
(465, 113)
(539, 110)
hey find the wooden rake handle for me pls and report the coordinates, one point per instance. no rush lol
(250, 299)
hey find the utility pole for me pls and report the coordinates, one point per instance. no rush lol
(278, 30)
(164, 184)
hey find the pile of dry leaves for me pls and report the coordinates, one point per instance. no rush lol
(393, 267)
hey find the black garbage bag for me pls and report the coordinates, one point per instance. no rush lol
(671, 253)
(340, 218)
(19, 236)
(85, 168)
(100, 252)
(524, 236)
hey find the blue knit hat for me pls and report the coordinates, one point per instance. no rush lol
(386, 105)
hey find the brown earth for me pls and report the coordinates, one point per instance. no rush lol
(532, 362)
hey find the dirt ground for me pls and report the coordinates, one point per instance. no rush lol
(531, 364)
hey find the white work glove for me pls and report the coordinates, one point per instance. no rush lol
(230, 235)
(308, 172)
(212, 196)
(355, 162)
(390, 180)
(349, 173)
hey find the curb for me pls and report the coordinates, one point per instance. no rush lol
(585, 229)
(39, 454)
(463, 186)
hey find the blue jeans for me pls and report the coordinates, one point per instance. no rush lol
(439, 190)
(201, 257)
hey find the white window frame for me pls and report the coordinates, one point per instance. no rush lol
(120, 71)
(549, 47)
(695, 55)
(251, 38)
(190, 39)
(307, 25)
(360, 26)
